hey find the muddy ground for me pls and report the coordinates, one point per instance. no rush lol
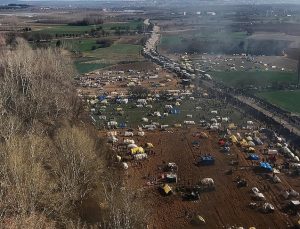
(224, 207)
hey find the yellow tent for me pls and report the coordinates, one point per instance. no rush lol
(167, 189)
(231, 126)
(251, 149)
(233, 139)
(149, 145)
(244, 143)
(137, 150)
(119, 109)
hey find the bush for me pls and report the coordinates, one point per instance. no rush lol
(104, 43)
(36, 84)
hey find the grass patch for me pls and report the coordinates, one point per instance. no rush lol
(287, 100)
(87, 65)
(257, 79)
(68, 29)
(117, 53)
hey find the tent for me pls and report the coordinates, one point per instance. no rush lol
(249, 138)
(203, 135)
(251, 143)
(174, 111)
(167, 190)
(243, 143)
(232, 126)
(198, 220)
(251, 149)
(132, 146)
(233, 139)
(253, 157)
(266, 166)
(137, 150)
(206, 160)
(149, 145)
(101, 97)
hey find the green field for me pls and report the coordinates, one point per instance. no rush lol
(84, 65)
(182, 39)
(67, 29)
(287, 100)
(103, 57)
(257, 79)
(133, 115)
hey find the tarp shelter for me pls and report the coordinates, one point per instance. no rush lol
(253, 157)
(132, 146)
(251, 143)
(233, 139)
(232, 126)
(198, 220)
(206, 160)
(174, 111)
(166, 189)
(221, 142)
(203, 135)
(171, 177)
(243, 143)
(137, 150)
(101, 97)
(266, 166)
(149, 145)
(122, 125)
(249, 138)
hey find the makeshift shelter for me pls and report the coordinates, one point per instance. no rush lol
(267, 208)
(132, 146)
(149, 145)
(251, 149)
(174, 111)
(206, 160)
(166, 189)
(249, 138)
(140, 156)
(243, 143)
(266, 166)
(251, 143)
(171, 177)
(137, 150)
(233, 139)
(198, 220)
(232, 126)
(203, 135)
(253, 157)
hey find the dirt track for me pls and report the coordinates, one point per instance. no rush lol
(227, 206)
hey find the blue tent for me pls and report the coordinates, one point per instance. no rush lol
(206, 160)
(101, 97)
(253, 157)
(266, 166)
(174, 111)
(122, 125)
(194, 143)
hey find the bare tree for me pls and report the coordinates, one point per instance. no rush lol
(36, 84)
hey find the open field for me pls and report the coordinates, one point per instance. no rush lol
(68, 29)
(256, 79)
(226, 206)
(103, 57)
(287, 100)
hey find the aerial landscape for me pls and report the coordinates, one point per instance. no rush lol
(160, 114)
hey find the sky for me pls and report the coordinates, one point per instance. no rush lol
(219, 1)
